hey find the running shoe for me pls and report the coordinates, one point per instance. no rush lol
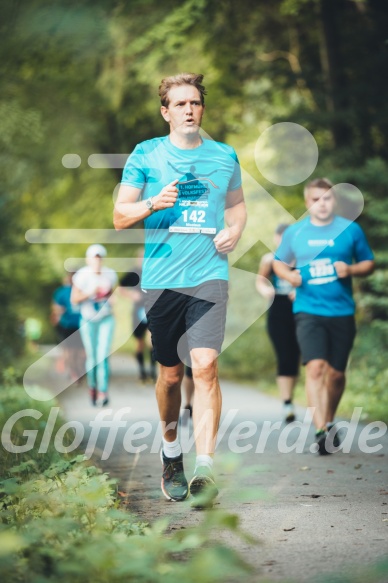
(174, 484)
(289, 413)
(203, 488)
(320, 440)
(102, 399)
(335, 434)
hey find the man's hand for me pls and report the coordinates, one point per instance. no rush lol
(226, 240)
(166, 197)
(295, 278)
(342, 269)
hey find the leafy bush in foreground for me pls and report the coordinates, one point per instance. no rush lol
(60, 521)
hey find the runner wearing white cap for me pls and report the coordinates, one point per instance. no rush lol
(92, 289)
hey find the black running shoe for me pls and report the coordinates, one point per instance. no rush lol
(174, 484)
(320, 440)
(289, 413)
(203, 488)
(334, 434)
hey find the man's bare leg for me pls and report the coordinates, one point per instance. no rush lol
(207, 399)
(334, 388)
(317, 396)
(168, 396)
(206, 418)
(168, 393)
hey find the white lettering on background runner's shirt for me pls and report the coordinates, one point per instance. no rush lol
(322, 271)
(320, 242)
(303, 244)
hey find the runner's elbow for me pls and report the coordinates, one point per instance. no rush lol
(119, 221)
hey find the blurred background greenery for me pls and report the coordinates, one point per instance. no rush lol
(81, 77)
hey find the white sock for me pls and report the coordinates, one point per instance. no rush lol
(172, 448)
(204, 460)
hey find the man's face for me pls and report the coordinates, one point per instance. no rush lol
(185, 110)
(320, 204)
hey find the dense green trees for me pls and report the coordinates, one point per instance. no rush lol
(81, 77)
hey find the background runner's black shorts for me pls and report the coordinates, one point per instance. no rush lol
(186, 318)
(282, 332)
(327, 338)
(71, 333)
(140, 330)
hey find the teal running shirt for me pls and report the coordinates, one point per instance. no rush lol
(179, 248)
(314, 250)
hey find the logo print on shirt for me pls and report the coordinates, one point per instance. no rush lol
(192, 188)
(321, 242)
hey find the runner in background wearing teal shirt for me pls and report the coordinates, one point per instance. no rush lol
(327, 251)
(185, 187)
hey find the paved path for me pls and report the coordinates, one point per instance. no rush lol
(311, 515)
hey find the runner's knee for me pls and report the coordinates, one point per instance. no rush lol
(316, 369)
(205, 371)
(335, 376)
(171, 377)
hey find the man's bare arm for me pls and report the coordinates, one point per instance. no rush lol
(262, 284)
(284, 271)
(129, 210)
(356, 269)
(235, 217)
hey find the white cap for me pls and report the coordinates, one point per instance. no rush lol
(95, 250)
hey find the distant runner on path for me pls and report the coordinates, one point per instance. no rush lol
(65, 316)
(327, 250)
(185, 272)
(130, 288)
(281, 326)
(93, 286)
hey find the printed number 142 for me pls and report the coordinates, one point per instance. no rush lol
(194, 217)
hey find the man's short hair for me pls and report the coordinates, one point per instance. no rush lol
(323, 183)
(178, 80)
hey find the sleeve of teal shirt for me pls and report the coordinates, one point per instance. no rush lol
(285, 252)
(235, 181)
(133, 173)
(362, 250)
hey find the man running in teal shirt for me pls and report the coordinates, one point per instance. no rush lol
(185, 188)
(327, 251)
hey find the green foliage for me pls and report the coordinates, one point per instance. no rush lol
(368, 374)
(13, 399)
(65, 524)
(82, 77)
(237, 361)
(61, 519)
